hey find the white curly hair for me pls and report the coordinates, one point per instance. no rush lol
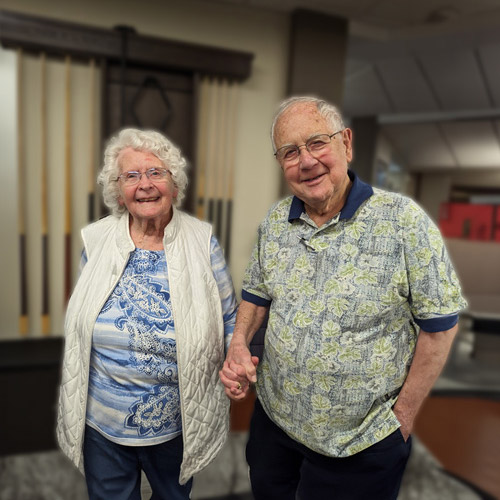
(148, 141)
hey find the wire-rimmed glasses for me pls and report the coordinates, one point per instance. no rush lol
(132, 177)
(289, 154)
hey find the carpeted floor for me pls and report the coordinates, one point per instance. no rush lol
(49, 476)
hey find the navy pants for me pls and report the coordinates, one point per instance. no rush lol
(281, 468)
(113, 471)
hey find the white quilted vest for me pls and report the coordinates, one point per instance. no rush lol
(199, 334)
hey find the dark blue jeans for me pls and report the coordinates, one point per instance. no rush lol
(113, 471)
(281, 468)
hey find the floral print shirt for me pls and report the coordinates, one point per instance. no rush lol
(346, 303)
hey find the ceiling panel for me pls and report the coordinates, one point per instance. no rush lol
(408, 89)
(420, 145)
(388, 14)
(418, 62)
(396, 13)
(475, 144)
(490, 57)
(456, 79)
(363, 92)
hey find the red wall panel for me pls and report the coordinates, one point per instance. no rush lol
(469, 221)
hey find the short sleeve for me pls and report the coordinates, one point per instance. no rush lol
(435, 294)
(254, 287)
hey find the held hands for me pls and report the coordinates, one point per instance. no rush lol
(238, 371)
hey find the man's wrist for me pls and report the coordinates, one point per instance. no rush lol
(239, 339)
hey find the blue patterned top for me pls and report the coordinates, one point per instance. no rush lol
(133, 396)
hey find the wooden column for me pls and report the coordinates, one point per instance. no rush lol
(318, 45)
(365, 132)
(317, 55)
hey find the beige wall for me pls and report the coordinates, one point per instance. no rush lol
(477, 264)
(433, 190)
(265, 34)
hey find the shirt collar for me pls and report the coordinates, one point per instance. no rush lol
(360, 191)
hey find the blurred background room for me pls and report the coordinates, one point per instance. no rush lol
(419, 84)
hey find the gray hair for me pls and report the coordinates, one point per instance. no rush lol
(327, 110)
(147, 141)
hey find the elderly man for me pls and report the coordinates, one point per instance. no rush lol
(363, 307)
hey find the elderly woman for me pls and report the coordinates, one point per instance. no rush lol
(146, 330)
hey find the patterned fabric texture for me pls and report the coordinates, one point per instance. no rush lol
(345, 303)
(133, 386)
(133, 382)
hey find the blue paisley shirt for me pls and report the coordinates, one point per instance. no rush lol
(133, 396)
(346, 303)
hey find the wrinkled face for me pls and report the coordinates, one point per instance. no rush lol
(147, 199)
(322, 177)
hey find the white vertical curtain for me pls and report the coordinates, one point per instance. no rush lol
(58, 152)
(218, 99)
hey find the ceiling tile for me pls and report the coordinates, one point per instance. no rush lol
(408, 89)
(490, 57)
(363, 92)
(420, 145)
(474, 143)
(456, 79)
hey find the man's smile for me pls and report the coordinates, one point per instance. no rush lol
(313, 180)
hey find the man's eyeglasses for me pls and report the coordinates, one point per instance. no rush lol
(133, 177)
(289, 155)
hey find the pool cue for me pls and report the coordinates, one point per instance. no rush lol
(212, 130)
(92, 180)
(44, 213)
(221, 164)
(230, 155)
(67, 168)
(23, 313)
(202, 148)
(209, 129)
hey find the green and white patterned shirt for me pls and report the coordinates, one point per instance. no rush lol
(346, 303)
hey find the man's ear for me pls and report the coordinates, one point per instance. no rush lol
(347, 140)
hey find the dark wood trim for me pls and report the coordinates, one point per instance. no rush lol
(28, 354)
(30, 372)
(476, 190)
(179, 81)
(59, 38)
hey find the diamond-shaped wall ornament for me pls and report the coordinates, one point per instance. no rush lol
(151, 104)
